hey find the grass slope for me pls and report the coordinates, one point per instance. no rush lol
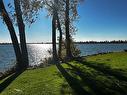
(117, 60)
(104, 74)
(44, 81)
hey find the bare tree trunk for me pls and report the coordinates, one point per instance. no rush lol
(54, 39)
(60, 37)
(68, 39)
(21, 27)
(11, 29)
(59, 28)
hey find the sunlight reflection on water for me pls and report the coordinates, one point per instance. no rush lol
(37, 52)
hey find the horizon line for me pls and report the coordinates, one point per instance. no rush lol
(74, 41)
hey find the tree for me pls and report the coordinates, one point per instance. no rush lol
(25, 11)
(11, 29)
(71, 15)
(65, 12)
(60, 36)
(56, 7)
(55, 58)
(67, 25)
(21, 27)
(59, 28)
(51, 7)
(30, 9)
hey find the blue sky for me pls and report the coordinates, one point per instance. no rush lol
(99, 20)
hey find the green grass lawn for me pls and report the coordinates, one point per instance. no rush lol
(43, 81)
(104, 74)
(116, 60)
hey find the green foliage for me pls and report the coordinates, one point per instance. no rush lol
(46, 62)
(75, 51)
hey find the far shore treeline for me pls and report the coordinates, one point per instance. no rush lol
(81, 42)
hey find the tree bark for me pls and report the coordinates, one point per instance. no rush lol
(59, 28)
(67, 25)
(11, 29)
(60, 37)
(21, 27)
(54, 39)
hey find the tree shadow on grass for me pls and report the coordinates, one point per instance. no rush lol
(9, 80)
(77, 88)
(65, 89)
(118, 73)
(98, 86)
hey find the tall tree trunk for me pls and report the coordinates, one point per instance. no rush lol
(21, 27)
(68, 39)
(54, 39)
(60, 37)
(11, 29)
(59, 28)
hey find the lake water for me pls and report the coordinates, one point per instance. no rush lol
(37, 52)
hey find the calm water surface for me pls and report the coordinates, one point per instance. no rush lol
(37, 52)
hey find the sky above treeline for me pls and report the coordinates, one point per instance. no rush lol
(99, 20)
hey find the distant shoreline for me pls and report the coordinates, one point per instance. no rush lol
(92, 42)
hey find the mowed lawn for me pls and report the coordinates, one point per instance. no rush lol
(103, 74)
(117, 60)
(43, 81)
